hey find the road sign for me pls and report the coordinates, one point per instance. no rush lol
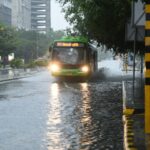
(136, 25)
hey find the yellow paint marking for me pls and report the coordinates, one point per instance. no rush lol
(128, 111)
(147, 8)
(147, 108)
(128, 137)
(147, 25)
(147, 74)
(147, 57)
(147, 41)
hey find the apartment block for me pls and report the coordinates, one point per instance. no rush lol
(40, 15)
(21, 14)
(5, 11)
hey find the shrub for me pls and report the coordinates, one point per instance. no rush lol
(41, 63)
(17, 63)
(30, 65)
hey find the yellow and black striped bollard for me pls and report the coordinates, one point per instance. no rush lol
(147, 74)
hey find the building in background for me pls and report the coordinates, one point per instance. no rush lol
(5, 11)
(21, 14)
(40, 15)
(26, 14)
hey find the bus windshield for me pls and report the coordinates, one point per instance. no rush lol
(69, 55)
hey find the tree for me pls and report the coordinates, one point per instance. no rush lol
(27, 45)
(101, 20)
(7, 40)
(54, 35)
(32, 45)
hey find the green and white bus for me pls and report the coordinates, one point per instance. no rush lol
(72, 56)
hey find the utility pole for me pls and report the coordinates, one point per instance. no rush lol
(147, 74)
(37, 44)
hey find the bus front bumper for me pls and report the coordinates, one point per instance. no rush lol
(70, 72)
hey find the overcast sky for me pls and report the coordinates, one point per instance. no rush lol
(57, 17)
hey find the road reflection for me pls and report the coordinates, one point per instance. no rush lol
(76, 121)
(60, 115)
(54, 119)
(86, 119)
(55, 115)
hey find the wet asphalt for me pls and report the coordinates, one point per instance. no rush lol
(43, 113)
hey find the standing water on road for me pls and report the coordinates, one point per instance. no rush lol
(41, 113)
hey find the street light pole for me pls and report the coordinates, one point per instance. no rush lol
(134, 51)
(37, 45)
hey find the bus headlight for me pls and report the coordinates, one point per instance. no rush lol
(54, 67)
(85, 69)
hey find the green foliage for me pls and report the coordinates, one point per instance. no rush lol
(31, 64)
(37, 63)
(141, 0)
(41, 63)
(54, 35)
(7, 40)
(32, 44)
(101, 20)
(27, 45)
(16, 63)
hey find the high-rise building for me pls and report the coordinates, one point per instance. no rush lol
(40, 15)
(5, 12)
(26, 14)
(21, 14)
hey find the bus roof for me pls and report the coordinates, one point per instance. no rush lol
(73, 39)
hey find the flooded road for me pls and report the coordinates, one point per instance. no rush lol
(40, 113)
